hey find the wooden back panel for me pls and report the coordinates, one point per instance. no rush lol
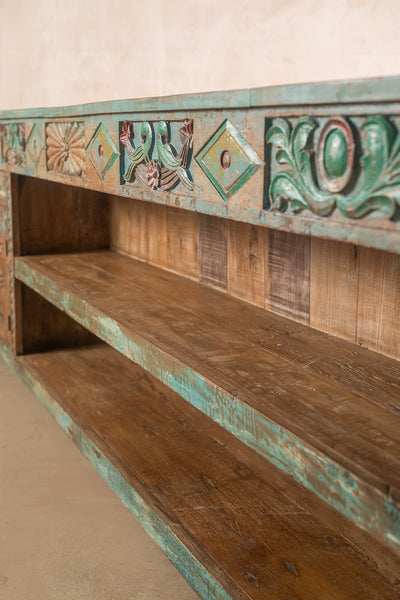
(43, 327)
(349, 291)
(54, 218)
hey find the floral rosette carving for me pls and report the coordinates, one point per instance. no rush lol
(324, 175)
(65, 145)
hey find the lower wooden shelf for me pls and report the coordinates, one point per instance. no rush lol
(233, 524)
(322, 410)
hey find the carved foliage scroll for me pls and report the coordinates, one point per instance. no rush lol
(348, 164)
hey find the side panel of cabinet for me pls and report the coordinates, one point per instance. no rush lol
(6, 274)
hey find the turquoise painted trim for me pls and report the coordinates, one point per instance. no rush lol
(381, 89)
(355, 498)
(187, 564)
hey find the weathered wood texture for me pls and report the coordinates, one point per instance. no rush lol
(344, 290)
(44, 327)
(166, 237)
(334, 288)
(213, 245)
(6, 283)
(288, 265)
(249, 370)
(58, 218)
(258, 533)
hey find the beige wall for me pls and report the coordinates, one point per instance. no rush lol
(57, 52)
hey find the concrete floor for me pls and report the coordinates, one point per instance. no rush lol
(63, 533)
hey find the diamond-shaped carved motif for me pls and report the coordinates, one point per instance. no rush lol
(35, 145)
(102, 151)
(228, 160)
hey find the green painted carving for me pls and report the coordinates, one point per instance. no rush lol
(335, 154)
(173, 164)
(169, 168)
(323, 176)
(141, 152)
(228, 160)
(102, 151)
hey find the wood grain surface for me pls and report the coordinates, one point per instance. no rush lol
(334, 288)
(246, 262)
(58, 218)
(248, 369)
(43, 327)
(378, 312)
(345, 290)
(254, 529)
(288, 264)
(213, 251)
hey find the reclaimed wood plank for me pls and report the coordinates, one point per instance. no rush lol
(183, 242)
(378, 302)
(130, 227)
(334, 288)
(157, 234)
(54, 218)
(213, 251)
(242, 376)
(246, 262)
(43, 327)
(288, 275)
(225, 517)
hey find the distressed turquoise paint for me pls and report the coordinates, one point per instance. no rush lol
(356, 499)
(35, 145)
(386, 89)
(244, 161)
(3, 226)
(373, 233)
(102, 161)
(194, 572)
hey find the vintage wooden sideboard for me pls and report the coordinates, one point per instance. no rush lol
(203, 291)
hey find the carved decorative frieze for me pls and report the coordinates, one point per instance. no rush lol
(228, 160)
(154, 162)
(65, 147)
(349, 164)
(13, 143)
(102, 151)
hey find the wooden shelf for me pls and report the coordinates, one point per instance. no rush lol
(234, 524)
(322, 410)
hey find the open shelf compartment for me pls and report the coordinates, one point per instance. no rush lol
(239, 365)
